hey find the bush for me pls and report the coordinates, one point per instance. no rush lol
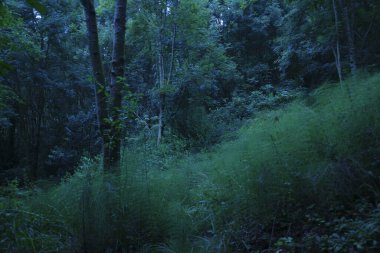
(24, 229)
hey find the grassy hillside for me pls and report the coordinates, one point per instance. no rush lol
(304, 178)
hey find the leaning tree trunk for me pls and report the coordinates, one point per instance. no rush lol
(100, 86)
(337, 50)
(117, 79)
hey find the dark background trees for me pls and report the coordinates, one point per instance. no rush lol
(52, 97)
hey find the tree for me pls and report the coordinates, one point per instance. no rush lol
(45, 70)
(165, 74)
(108, 110)
(336, 51)
(249, 30)
(347, 11)
(177, 64)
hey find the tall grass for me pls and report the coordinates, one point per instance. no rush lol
(303, 143)
(315, 153)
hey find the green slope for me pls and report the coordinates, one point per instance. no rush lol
(302, 178)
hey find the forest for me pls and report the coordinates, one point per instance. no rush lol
(189, 126)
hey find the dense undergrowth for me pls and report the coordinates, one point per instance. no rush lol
(303, 178)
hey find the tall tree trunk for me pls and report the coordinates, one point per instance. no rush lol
(110, 130)
(337, 50)
(117, 78)
(163, 79)
(36, 146)
(162, 7)
(350, 35)
(100, 86)
(12, 141)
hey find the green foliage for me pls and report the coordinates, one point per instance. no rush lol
(4, 67)
(243, 106)
(30, 44)
(7, 96)
(309, 153)
(195, 69)
(304, 176)
(355, 231)
(304, 47)
(23, 229)
(301, 174)
(104, 211)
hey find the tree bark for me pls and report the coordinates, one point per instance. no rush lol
(100, 81)
(117, 78)
(97, 67)
(36, 148)
(161, 75)
(38, 109)
(350, 36)
(109, 121)
(336, 51)
(163, 78)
